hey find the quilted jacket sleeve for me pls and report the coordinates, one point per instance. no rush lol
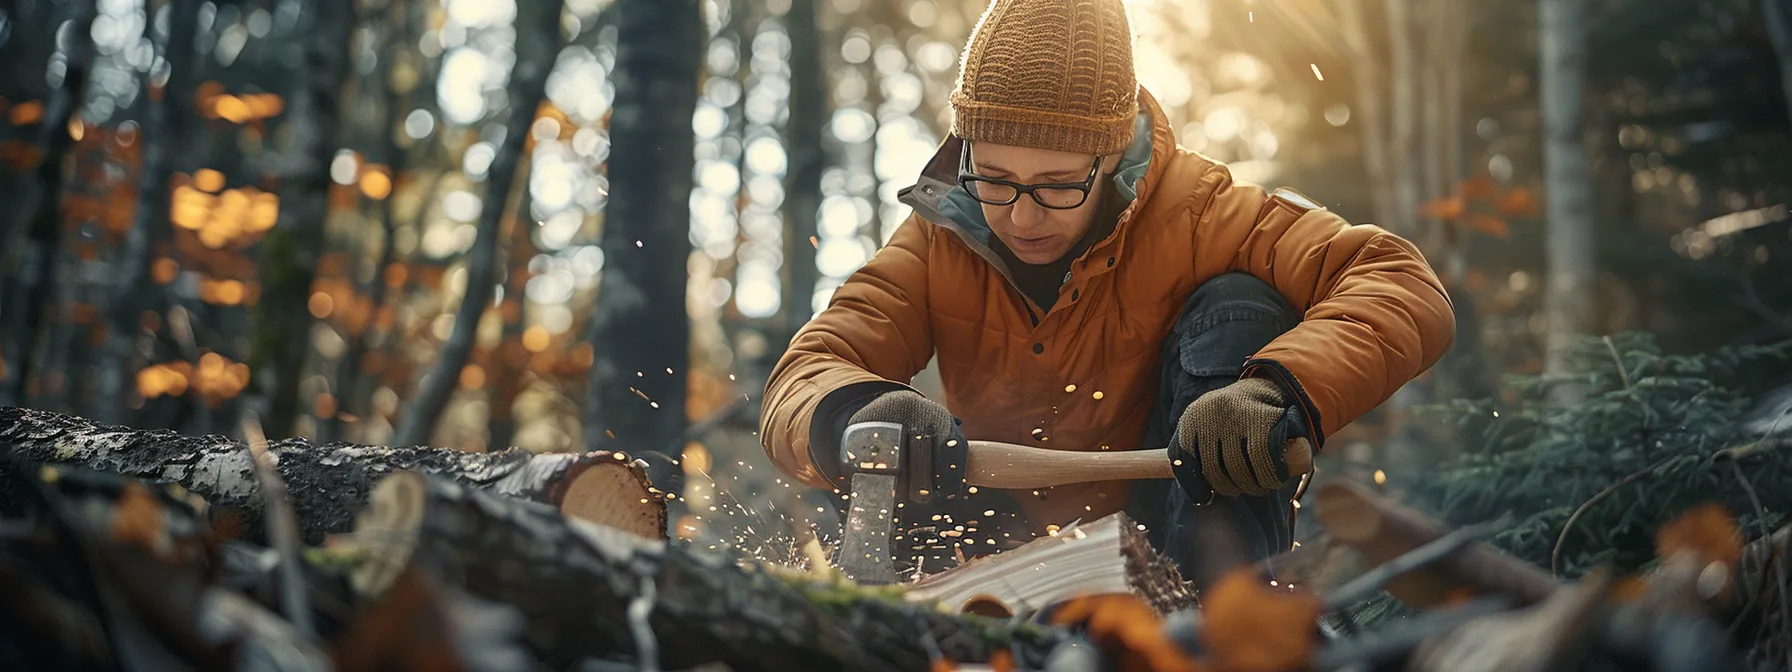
(1375, 314)
(873, 336)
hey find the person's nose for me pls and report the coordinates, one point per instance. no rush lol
(1027, 214)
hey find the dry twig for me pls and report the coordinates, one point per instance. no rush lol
(283, 528)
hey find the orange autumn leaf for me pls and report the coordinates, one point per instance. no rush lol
(1125, 627)
(1002, 660)
(1518, 202)
(1488, 224)
(1479, 186)
(1707, 531)
(137, 517)
(28, 112)
(1248, 627)
(1443, 208)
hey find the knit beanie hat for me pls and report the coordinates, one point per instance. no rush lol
(1049, 74)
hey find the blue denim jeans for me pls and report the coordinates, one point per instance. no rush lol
(1224, 322)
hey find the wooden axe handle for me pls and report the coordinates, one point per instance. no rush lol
(1009, 466)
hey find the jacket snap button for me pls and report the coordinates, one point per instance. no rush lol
(1038, 348)
(1110, 262)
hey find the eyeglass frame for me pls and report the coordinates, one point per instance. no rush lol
(965, 177)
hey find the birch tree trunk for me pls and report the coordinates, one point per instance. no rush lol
(1567, 175)
(166, 115)
(539, 38)
(23, 306)
(640, 332)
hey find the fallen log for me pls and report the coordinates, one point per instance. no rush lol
(328, 483)
(588, 591)
(1110, 555)
(1383, 529)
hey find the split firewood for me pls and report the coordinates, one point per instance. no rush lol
(590, 591)
(1383, 529)
(328, 483)
(1110, 555)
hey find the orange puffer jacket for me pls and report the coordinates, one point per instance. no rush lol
(1083, 376)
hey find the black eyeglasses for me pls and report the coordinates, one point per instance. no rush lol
(1058, 196)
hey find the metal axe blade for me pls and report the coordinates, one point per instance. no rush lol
(871, 453)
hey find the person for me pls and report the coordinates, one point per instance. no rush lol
(1088, 284)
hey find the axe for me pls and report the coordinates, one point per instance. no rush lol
(873, 456)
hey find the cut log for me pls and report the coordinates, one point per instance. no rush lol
(1383, 529)
(1110, 555)
(328, 483)
(589, 591)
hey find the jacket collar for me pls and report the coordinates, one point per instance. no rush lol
(937, 197)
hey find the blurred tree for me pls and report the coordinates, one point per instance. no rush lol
(1568, 199)
(1780, 33)
(539, 37)
(23, 298)
(809, 115)
(291, 252)
(167, 114)
(639, 331)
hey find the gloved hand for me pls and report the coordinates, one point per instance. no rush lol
(929, 427)
(1244, 439)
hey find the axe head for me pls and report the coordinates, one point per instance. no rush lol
(871, 455)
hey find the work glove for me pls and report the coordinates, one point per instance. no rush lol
(928, 429)
(1243, 439)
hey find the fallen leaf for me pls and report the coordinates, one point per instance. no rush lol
(1127, 628)
(1708, 530)
(1250, 628)
(137, 518)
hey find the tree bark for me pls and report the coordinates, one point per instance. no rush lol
(1383, 529)
(1778, 30)
(639, 333)
(808, 158)
(24, 301)
(538, 45)
(579, 586)
(165, 120)
(328, 483)
(1567, 172)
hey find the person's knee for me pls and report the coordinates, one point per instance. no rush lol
(1236, 296)
(1225, 321)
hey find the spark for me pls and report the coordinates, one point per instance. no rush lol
(1316, 71)
(1381, 477)
(637, 244)
(1070, 388)
(1097, 395)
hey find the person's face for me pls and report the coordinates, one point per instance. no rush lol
(1035, 233)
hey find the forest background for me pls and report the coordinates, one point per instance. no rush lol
(578, 224)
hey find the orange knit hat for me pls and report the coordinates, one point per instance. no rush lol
(1050, 74)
